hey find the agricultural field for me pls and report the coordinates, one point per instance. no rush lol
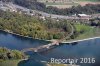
(70, 3)
(62, 5)
(90, 0)
(84, 2)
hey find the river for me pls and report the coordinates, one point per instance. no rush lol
(84, 49)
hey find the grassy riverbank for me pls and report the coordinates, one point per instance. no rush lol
(10, 63)
(93, 32)
(90, 33)
(10, 57)
(86, 31)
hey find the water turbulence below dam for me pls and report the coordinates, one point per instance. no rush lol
(83, 49)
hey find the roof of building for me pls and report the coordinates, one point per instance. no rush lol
(82, 15)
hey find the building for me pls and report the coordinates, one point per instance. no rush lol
(84, 16)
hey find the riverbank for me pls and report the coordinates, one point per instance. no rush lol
(80, 40)
(10, 57)
(89, 34)
(68, 41)
(11, 62)
(8, 31)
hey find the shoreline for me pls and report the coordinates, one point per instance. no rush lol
(68, 41)
(8, 31)
(73, 41)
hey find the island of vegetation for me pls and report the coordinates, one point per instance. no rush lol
(10, 57)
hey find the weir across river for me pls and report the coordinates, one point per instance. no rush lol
(40, 48)
(54, 43)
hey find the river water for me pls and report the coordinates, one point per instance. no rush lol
(86, 49)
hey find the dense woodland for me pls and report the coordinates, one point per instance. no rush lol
(34, 27)
(7, 54)
(33, 4)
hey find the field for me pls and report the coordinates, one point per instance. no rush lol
(80, 27)
(61, 5)
(89, 32)
(71, 3)
(84, 2)
(93, 32)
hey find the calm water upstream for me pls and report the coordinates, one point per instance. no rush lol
(85, 49)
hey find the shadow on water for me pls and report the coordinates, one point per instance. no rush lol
(18, 42)
(29, 39)
(74, 43)
(2, 32)
(30, 63)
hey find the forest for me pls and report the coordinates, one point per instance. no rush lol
(34, 27)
